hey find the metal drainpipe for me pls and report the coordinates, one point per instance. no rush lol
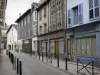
(65, 37)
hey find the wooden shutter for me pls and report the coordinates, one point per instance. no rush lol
(69, 17)
(80, 13)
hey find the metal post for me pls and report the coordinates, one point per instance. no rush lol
(20, 67)
(17, 65)
(77, 66)
(12, 59)
(51, 58)
(58, 60)
(39, 55)
(66, 63)
(92, 68)
(42, 56)
(65, 37)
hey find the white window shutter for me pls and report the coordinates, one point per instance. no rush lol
(80, 13)
(70, 18)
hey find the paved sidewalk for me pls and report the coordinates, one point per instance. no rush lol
(32, 66)
(72, 67)
(6, 66)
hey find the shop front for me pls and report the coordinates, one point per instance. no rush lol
(27, 46)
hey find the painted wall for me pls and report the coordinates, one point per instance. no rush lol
(34, 48)
(44, 20)
(20, 45)
(73, 3)
(12, 37)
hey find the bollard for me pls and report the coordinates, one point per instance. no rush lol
(9, 54)
(58, 60)
(39, 55)
(17, 66)
(77, 66)
(51, 58)
(12, 59)
(92, 68)
(20, 67)
(15, 63)
(42, 56)
(66, 64)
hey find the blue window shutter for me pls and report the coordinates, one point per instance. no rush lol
(80, 13)
(69, 18)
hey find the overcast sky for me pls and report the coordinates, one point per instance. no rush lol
(14, 7)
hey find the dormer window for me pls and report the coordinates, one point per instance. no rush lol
(94, 10)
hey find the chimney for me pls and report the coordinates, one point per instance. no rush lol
(19, 14)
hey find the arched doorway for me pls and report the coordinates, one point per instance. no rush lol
(9, 47)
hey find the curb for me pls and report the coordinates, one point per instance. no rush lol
(66, 71)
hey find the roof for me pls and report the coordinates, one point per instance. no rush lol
(43, 4)
(5, 27)
(15, 26)
(36, 4)
(21, 17)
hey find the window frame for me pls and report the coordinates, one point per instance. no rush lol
(70, 16)
(85, 47)
(45, 12)
(59, 17)
(34, 29)
(40, 15)
(93, 8)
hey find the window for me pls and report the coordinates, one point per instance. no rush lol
(78, 48)
(86, 47)
(59, 18)
(34, 29)
(52, 3)
(40, 15)
(40, 29)
(61, 46)
(34, 16)
(1, 14)
(45, 28)
(34, 44)
(82, 43)
(94, 10)
(29, 32)
(28, 18)
(19, 25)
(22, 23)
(53, 21)
(52, 46)
(93, 43)
(1, 4)
(75, 15)
(25, 35)
(58, 2)
(45, 12)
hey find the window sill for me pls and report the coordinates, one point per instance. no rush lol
(94, 19)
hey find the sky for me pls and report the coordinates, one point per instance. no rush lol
(14, 7)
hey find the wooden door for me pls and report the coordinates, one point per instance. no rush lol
(56, 48)
(70, 47)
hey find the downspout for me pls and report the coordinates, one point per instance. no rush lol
(65, 37)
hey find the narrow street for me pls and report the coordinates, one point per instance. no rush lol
(31, 66)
